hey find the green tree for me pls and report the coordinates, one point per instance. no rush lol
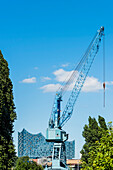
(101, 153)
(7, 117)
(23, 163)
(92, 133)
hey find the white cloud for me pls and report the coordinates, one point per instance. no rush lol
(92, 84)
(29, 80)
(65, 65)
(46, 78)
(62, 75)
(109, 83)
(36, 68)
(50, 88)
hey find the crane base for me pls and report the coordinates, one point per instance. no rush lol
(58, 157)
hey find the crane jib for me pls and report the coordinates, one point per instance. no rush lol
(81, 71)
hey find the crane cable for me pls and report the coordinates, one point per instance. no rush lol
(104, 70)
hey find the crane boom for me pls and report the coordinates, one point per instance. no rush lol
(89, 58)
(80, 72)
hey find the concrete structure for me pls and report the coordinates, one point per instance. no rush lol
(35, 146)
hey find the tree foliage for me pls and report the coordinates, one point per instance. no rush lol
(92, 133)
(101, 153)
(23, 163)
(7, 117)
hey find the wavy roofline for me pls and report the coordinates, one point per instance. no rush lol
(31, 133)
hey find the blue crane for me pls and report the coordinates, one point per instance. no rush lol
(57, 119)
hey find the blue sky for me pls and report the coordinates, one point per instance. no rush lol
(42, 42)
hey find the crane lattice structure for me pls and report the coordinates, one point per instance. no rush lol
(57, 120)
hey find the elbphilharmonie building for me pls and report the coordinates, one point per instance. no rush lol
(35, 146)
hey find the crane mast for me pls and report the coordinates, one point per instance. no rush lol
(57, 120)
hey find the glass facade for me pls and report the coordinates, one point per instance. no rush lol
(70, 149)
(35, 146)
